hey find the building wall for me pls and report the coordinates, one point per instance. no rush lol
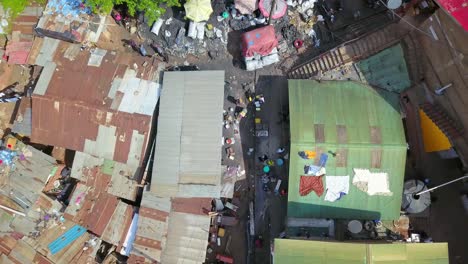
(445, 60)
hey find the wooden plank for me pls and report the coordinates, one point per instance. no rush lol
(341, 134)
(375, 135)
(342, 158)
(376, 158)
(319, 133)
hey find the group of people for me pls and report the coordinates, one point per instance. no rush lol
(268, 163)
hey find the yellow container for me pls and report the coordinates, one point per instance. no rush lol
(11, 143)
(221, 232)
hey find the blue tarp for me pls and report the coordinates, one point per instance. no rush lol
(6, 156)
(68, 7)
(66, 239)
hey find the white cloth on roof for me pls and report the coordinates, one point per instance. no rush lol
(378, 184)
(315, 170)
(336, 187)
(361, 179)
(373, 183)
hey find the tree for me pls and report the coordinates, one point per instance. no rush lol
(153, 8)
(16, 7)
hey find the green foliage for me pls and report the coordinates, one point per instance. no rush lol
(100, 6)
(153, 8)
(14, 7)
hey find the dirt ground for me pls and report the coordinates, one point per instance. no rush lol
(270, 210)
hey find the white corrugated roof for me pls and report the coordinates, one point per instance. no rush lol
(188, 151)
(187, 238)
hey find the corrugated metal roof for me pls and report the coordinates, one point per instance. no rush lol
(69, 254)
(19, 45)
(23, 125)
(306, 251)
(363, 130)
(188, 152)
(71, 90)
(115, 177)
(151, 233)
(190, 226)
(43, 51)
(117, 227)
(96, 57)
(198, 206)
(23, 182)
(44, 79)
(187, 238)
(387, 70)
(17, 52)
(70, 22)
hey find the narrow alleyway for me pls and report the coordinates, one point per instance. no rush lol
(270, 208)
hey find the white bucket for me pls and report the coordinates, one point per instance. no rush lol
(157, 26)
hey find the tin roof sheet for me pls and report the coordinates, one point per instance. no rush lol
(68, 21)
(72, 90)
(19, 45)
(154, 224)
(118, 225)
(188, 151)
(303, 251)
(107, 175)
(24, 181)
(187, 238)
(363, 130)
(386, 69)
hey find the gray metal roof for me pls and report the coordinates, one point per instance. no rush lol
(188, 142)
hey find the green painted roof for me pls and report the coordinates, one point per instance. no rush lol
(352, 120)
(319, 252)
(387, 69)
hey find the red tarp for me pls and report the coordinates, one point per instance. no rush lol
(311, 183)
(458, 9)
(261, 41)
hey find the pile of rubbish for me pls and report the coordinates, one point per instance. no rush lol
(197, 39)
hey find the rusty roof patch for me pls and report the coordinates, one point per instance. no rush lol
(52, 125)
(102, 211)
(78, 92)
(147, 242)
(198, 206)
(118, 225)
(154, 214)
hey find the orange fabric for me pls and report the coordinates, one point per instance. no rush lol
(311, 183)
(310, 154)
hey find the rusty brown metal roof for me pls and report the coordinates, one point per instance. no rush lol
(19, 45)
(72, 100)
(151, 233)
(94, 211)
(198, 206)
(118, 225)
